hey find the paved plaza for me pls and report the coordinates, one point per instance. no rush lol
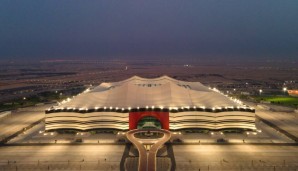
(61, 157)
(20, 119)
(188, 157)
(236, 157)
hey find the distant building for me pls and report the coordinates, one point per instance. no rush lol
(293, 93)
(244, 93)
(175, 104)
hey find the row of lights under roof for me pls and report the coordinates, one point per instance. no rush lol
(233, 99)
(65, 101)
(247, 132)
(161, 107)
(69, 99)
(153, 107)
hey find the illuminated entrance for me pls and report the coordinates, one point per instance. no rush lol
(149, 122)
(160, 119)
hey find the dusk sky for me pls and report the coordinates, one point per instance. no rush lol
(148, 29)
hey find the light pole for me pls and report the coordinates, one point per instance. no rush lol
(285, 89)
(260, 91)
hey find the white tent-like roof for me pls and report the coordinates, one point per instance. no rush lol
(163, 92)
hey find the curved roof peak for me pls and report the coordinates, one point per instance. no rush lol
(158, 80)
(138, 77)
(163, 77)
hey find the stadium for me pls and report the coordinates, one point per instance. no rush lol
(161, 102)
(293, 93)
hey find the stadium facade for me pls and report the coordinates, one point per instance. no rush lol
(176, 104)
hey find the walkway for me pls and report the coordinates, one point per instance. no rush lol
(147, 159)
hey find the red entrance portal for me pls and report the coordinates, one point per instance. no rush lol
(135, 117)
